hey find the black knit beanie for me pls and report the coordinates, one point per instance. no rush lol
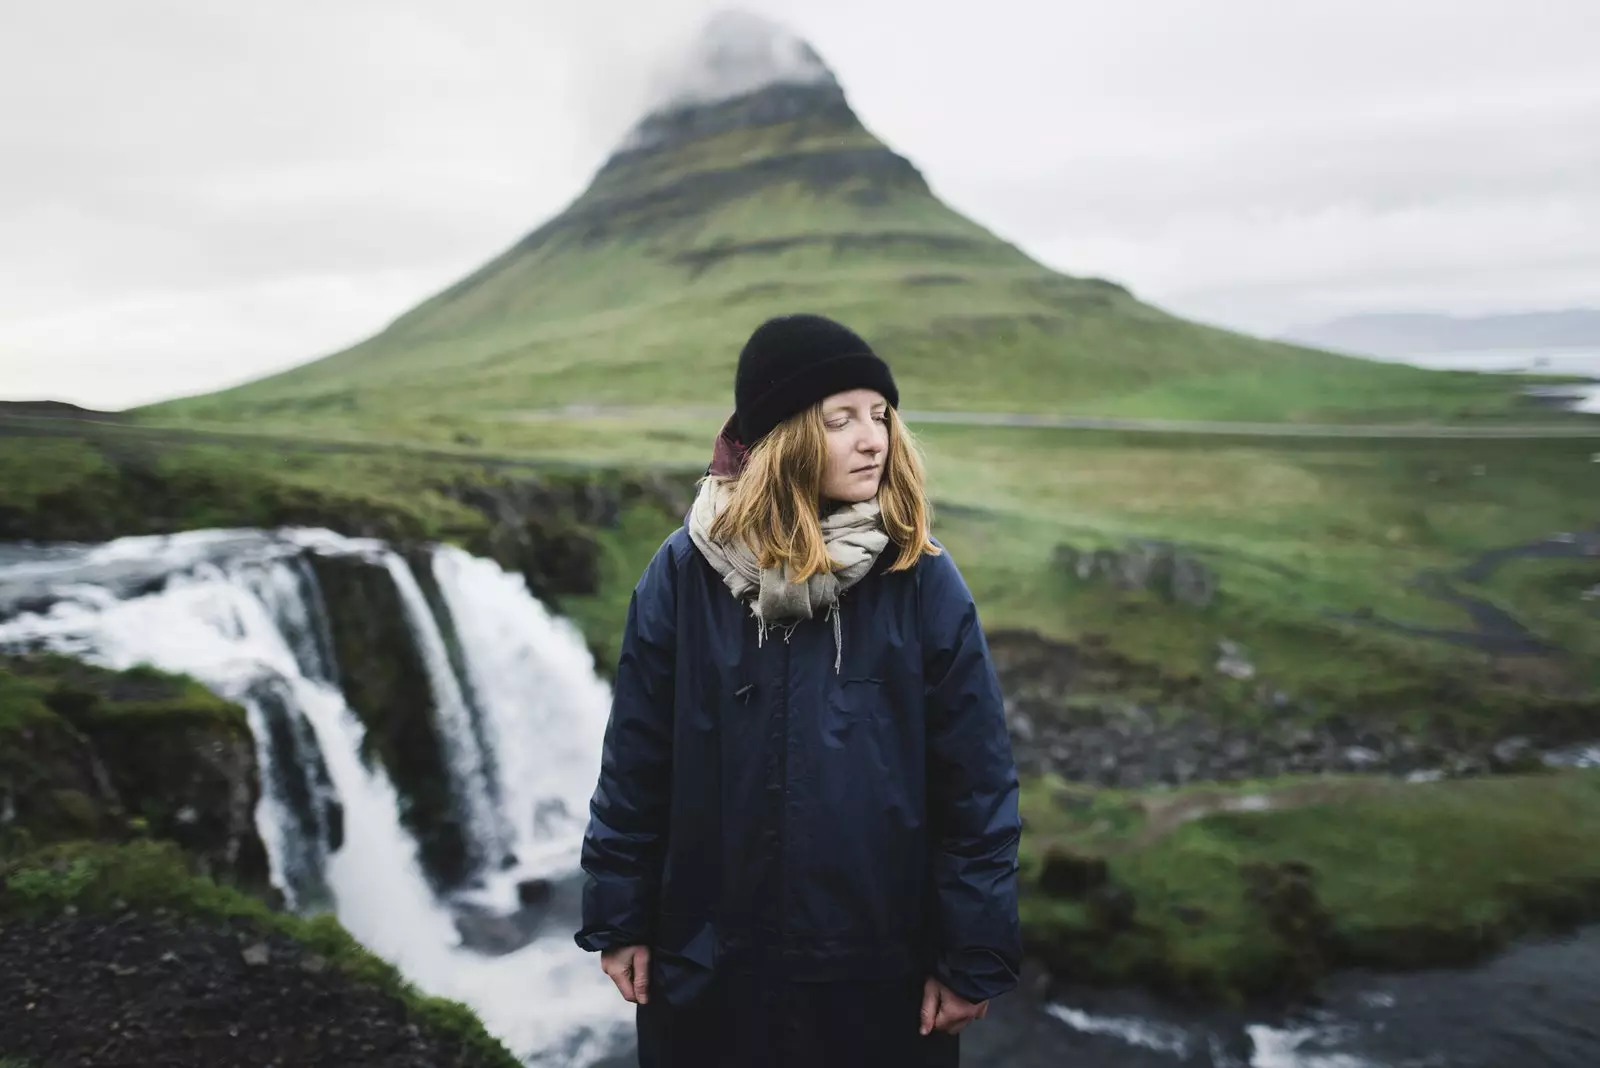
(794, 361)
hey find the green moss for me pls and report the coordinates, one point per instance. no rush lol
(149, 876)
(88, 696)
(388, 687)
(92, 749)
(22, 707)
(1218, 904)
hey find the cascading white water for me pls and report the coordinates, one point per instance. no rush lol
(452, 718)
(238, 611)
(531, 674)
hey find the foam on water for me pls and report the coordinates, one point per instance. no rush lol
(1275, 1048)
(1134, 1031)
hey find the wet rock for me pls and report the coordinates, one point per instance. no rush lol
(1516, 754)
(258, 955)
(1361, 758)
(1065, 874)
(1286, 894)
(1021, 727)
(387, 686)
(493, 934)
(1112, 907)
(1158, 567)
(1233, 662)
(535, 892)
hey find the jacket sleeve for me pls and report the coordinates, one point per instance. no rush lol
(972, 794)
(622, 847)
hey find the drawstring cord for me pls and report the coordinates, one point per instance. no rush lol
(838, 637)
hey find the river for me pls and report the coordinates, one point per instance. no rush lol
(1535, 1006)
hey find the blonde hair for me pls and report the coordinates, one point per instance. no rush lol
(774, 504)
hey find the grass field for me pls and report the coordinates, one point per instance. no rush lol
(1260, 889)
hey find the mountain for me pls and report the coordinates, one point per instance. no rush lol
(752, 188)
(1415, 333)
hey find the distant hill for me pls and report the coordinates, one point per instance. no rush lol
(52, 409)
(1416, 333)
(754, 189)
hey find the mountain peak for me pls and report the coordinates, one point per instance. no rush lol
(737, 53)
(737, 59)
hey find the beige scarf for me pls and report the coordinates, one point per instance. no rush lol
(854, 536)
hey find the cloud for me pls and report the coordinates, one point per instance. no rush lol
(186, 182)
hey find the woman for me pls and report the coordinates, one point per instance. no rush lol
(802, 849)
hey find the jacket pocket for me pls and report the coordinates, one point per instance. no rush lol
(683, 959)
(852, 706)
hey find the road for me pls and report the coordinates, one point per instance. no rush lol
(57, 426)
(1585, 428)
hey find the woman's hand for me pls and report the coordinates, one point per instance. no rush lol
(629, 968)
(945, 1010)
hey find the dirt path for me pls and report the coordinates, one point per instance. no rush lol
(1165, 814)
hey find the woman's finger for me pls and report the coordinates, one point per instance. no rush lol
(930, 1006)
(621, 973)
(641, 975)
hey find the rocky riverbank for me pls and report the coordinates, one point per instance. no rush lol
(1088, 714)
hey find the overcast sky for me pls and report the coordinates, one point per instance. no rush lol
(193, 192)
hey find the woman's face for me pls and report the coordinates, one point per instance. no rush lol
(857, 430)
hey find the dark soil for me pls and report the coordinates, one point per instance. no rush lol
(140, 991)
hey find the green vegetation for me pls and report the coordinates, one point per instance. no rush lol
(90, 753)
(1298, 534)
(1176, 891)
(91, 698)
(152, 876)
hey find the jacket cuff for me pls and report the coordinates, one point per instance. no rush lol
(975, 974)
(605, 939)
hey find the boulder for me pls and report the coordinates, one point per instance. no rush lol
(1065, 874)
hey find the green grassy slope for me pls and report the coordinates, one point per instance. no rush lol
(1193, 892)
(644, 288)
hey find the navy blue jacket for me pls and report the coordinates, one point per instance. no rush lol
(757, 810)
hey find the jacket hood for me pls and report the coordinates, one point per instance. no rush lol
(728, 453)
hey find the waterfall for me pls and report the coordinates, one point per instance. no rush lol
(241, 612)
(453, 721)
(529, 670)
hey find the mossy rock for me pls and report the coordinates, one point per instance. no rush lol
(85, 751)
(51, 785)
(387, 686)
